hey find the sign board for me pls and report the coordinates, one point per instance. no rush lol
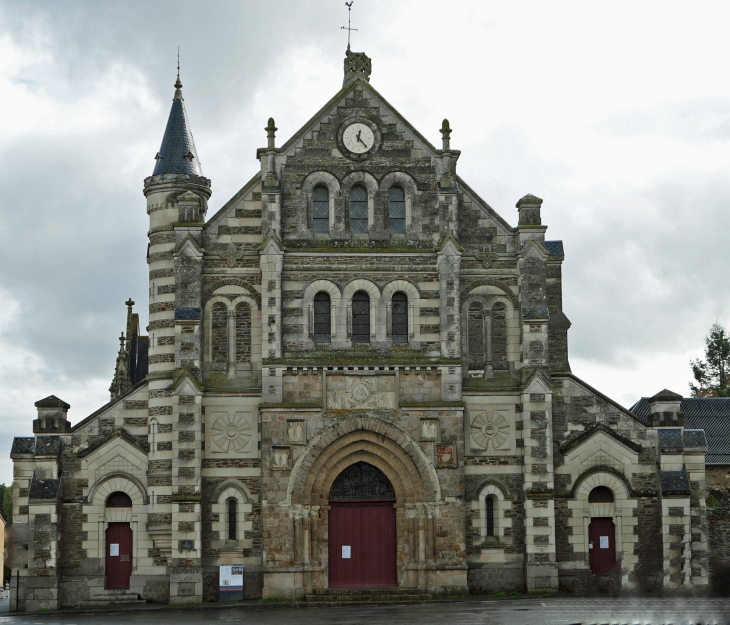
(231, 582)
(604, 542)
(114, 549)
(346, 551)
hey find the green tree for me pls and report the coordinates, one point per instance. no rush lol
(712, 373)
(8, 505)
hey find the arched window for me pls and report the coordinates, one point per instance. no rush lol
(360, 317)
(243, 333)
(490, 515)
(119, 500)
(399, 318)
(232, 512)
(397, 210)
(499, 336)
(475, 335)
(601, 494)
(219, 338)
(359, 210)
(322, 318)
(321, 210)
(152, 436)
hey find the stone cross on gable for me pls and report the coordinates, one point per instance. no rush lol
(232, 254)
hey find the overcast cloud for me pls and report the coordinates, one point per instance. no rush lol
(617, 115)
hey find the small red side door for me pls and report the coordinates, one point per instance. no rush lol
(118, 555)
(602, 555)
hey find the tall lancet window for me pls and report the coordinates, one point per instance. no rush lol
(243, 333)
(232, 518)
(397, 210)
(219, 338)
(399, 318)
(475, 330)
(359, 210)
(321, 210)
(360, 317)
(498, 328)
(322, 318)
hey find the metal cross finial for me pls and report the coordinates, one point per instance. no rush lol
(347, 28)
(178, 84)
(129, 303)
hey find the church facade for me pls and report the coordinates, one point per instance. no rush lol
(356, 374)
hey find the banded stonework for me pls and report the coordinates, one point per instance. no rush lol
(359, 312)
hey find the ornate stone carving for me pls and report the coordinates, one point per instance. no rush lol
(231, 431)
(490, 430)
(429, 429)
(280, 458)
(296, 431)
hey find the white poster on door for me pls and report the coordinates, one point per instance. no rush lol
(604, 542)
(114, 549)
(346, 551)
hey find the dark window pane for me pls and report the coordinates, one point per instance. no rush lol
(232, 519)
(321, 210)
(362, 481)
(119, 500)
(359, 210)
(490, 516)
(397, 210)
(399, 318)
(600, 494)
(322, 318)
(360, 317)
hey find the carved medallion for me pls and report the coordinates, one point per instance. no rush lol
(490, 430)
(361, 393)
(231, 432)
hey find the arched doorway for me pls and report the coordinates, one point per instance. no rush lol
(118, 545)
(601, 535)
(362, 537)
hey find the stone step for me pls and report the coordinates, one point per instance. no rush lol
(115, 597)
(379, 590)
(335, 604)
(402, 598)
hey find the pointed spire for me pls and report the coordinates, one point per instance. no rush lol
(177, 153)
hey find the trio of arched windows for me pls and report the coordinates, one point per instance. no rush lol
(358, 210)
(360, 320)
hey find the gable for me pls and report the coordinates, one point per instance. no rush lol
(600, 447)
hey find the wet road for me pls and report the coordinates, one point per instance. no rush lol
(547, 611)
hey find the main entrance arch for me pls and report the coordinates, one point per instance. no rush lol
(362, 534)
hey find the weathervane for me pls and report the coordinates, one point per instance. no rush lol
(347, 28)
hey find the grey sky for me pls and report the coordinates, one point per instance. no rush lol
(617, 115)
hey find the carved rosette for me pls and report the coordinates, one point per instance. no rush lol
(231, 432)
(490, 430)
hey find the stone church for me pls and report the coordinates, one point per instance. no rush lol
(355, 375)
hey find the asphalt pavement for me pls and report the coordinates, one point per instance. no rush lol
(542, 611)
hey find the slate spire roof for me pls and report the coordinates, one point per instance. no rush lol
(177, 153)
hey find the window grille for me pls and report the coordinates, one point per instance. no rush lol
(397, 210)
(360, 317)
(321, 210)
(601, 494)
(359, 210)
(322, 318)
(399, 318)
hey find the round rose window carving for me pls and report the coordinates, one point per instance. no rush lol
(490, 430)
(231, 432)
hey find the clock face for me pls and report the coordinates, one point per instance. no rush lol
(358, 138)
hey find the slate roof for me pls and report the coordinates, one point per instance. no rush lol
(44, 488)
(192, 312)
(24, 445)
(177, 142)
(671, 439)
(47, 445)
(52, 402)
(711, 414)
(674, 482)
(554, 248)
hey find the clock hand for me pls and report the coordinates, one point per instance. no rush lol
(359, 139)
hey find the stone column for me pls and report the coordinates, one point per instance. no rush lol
(272, 261)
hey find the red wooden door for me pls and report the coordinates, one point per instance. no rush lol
(602, 535)
(118, 555)
(368, 529)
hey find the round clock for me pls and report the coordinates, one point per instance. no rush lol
(358, 138)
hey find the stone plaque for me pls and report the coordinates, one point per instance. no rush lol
(231, 431)
(296, 431)
(445, 456)
(360, 392)
(280, 458)
(430, 429)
